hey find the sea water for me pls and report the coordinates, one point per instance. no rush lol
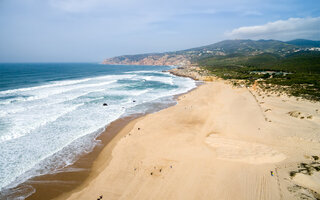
(50, 113)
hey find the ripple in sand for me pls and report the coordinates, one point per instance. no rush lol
(241, 151)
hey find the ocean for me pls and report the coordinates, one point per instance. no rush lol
(50, 113)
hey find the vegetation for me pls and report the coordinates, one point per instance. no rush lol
(298, 72)
(304, 43)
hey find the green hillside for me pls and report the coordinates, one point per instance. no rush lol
(246, 46)
(300, 70)
(304, 43)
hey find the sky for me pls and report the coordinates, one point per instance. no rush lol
(92, 30)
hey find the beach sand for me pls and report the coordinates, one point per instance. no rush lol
(218, 142)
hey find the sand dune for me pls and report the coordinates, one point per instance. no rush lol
(309, 181)
(235, 150)
(216, 143)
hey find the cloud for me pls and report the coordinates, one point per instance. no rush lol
(308, 28)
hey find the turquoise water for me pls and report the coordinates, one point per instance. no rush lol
(50, 113)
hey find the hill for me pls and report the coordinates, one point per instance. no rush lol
(304, 43)
(297, 73)
(223, 48)
(244, 47)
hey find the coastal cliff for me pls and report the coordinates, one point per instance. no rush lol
(225, 53)
(193, 72)
(149, 59)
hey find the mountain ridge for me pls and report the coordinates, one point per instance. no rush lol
(222, 48)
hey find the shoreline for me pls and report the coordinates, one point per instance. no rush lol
(58, 185)
(103, 158)
(218, 142)
(52, 186)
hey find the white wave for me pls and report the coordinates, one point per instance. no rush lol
(55, 98)
(24, 123)
(167, 80)
(41, 94)
(63, 83)
(142, 71)
(53, 84)
(54, 143)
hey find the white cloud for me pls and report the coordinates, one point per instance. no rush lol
(292, 28)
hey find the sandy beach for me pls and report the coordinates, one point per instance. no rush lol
(159, 100)
(218, 142)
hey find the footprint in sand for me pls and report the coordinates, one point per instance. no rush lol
(298, 114)
(241, 151)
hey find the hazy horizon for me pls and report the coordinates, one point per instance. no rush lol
(90, 31)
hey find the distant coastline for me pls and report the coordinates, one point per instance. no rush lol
(152, 59)
(292, 67)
